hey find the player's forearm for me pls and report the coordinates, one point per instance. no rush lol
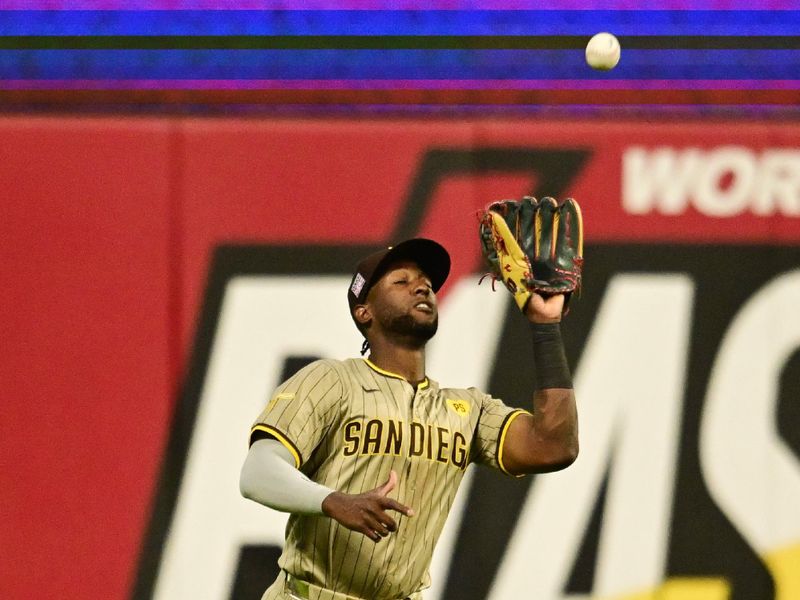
(550, 360)
(554, 429)
(547, 439)
(555, 417)
(269, 477)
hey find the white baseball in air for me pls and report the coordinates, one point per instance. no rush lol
(602, 51)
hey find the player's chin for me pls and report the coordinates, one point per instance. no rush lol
(416, 325)
(426, 327)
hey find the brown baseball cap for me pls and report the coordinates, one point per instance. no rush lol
(431, 257)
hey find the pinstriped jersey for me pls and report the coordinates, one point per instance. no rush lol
(348, 424)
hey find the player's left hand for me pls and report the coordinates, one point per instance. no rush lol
(545, 309)
(536, 248)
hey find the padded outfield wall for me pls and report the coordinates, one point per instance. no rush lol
(161, 274)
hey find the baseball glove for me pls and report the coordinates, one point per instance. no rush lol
(534, 246)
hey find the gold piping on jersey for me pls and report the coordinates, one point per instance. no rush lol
(422, 385)
(282, 439)
(502, 439)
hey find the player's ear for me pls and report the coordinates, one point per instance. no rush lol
(362, 314)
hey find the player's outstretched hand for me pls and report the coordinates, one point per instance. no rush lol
(366, 513)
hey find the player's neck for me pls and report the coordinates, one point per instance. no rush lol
(407, 362)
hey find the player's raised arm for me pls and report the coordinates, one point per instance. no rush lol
(547, 439)
(536, 248)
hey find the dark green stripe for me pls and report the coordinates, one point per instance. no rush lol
(356, 42)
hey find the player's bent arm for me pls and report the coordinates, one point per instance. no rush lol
(547, 440)
(269, 477)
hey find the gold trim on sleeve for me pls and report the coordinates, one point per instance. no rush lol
(502, 441)
(282, 439)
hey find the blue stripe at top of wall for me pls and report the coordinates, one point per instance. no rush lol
(394, 64)
(410, 22)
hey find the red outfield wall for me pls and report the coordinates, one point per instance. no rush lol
(112, 230)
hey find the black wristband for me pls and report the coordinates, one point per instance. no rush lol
(550, 360)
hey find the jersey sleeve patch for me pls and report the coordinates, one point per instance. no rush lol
(277, 398)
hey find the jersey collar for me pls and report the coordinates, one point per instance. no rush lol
(422, 385)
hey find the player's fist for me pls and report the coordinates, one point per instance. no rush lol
(366, 512)
(545, 309)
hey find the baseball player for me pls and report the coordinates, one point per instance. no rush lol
(367, 454)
